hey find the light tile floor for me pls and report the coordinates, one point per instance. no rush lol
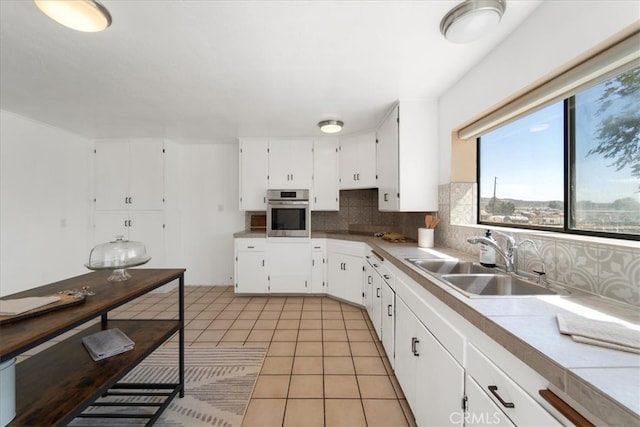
(324, 365)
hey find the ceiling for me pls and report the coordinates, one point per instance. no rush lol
(198, 70)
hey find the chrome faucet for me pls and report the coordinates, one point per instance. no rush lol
(509, 255)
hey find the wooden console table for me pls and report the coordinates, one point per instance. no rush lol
(57, 384)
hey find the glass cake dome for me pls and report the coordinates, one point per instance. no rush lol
(117, 256)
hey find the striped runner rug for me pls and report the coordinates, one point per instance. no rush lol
(218, 386)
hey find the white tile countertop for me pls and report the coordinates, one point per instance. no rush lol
(605, 381)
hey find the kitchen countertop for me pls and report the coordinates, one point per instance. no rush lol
(605, 381)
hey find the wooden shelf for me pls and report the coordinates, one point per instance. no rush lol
(73, 380)
(58, 383)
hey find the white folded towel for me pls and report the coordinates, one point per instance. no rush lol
(597, 332)
(11, 307)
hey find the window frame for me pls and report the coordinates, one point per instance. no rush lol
(569, 201)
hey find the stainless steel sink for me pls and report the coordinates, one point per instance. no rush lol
(495, 285)
(450, 266)
(474, 280)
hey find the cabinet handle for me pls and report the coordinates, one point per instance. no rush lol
(378, 293)
(414, 346)
(494, 390)
(354, 177)
(375, 265)
(263, 263)
(571, 414)
(369, 280)
(130, 200)
(389, 313)
(250, 247)
(386, 276)
(358, 175)
(305, 283)
(291, 177)
(264, 200)
(386, 197)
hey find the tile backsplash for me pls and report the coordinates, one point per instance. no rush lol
(359, 213)
(598, 266)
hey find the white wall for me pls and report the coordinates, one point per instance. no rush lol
(44, 204)
(554, 34)
(209, 212)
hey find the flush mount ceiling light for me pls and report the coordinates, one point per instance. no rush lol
(331, 126)
(82, 15)
(471, 19)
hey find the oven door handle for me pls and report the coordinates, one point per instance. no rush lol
(288, 202)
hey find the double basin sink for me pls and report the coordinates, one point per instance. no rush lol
(475, 280)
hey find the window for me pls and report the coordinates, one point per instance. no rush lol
(571, 166)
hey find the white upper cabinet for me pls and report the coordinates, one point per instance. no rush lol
(253, 174)
(129, 175)
(358, 161)
(290, 164)
(407, 157)
(326, 194)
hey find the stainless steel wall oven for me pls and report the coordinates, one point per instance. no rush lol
(288, 213)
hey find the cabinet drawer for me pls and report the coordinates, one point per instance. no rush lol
(318, 245)
(347, 248)
(251, 244)
(521, 409)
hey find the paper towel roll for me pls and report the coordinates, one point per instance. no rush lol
(425, 237)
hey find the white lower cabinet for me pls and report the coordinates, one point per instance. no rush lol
(432, 380)
(481, 410)
(509, 399)
(288, 266)
(250, 269)
(318, 266)
(388, 321)
(345, 271)
(145, 227)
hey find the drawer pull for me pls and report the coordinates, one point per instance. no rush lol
(494, 390)
(566, 410)
(414, 346)
(389, 310)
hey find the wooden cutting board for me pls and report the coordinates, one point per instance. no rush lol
(66, 300)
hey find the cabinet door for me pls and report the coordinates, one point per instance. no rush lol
(253, 174)
(387, 163)
(439, 382)
(405, 344)
(289, 267)
(146, 177)
(290, 164)
(109, 225)
(345, 277)
(317, 273)
(358, 161)
(148, 228)
(145, 227)
(387, 323)
(112, 161)
(251, 276)
(376, 311)
(481, 410)
(325, 175)
(368, 289)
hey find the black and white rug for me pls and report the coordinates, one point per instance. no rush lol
(218, 386)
